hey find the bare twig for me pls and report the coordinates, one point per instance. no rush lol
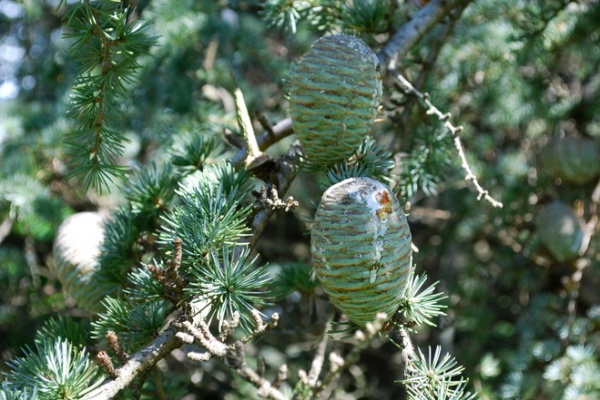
(264, 122)
(590, 226)
(411, 32)
(311, 380)
(282, 374)
(229, 326)
(234, 353)
(265, 388)
(270, 199)
(317, 364)
(279, 131)
(572, 282)
(254, 156)
(454, 130)
(5, 228)
(205, 339)
(363, 338)
(260, 326)
(138, 385)
(434, 48)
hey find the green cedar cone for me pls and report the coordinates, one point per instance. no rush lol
(334, 98)
(560, 230)
(572, 159)
(361, 248)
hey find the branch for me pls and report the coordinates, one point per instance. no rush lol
(254, 156)
(338, 364)
(280, 130)
(434, 47)
(454, 130)
(590, 227)
(137, 364)
(572, 282)
(234, 353)
(319, 359)
(265, 388)
(5, 227)
(411, 32)
(285, 171)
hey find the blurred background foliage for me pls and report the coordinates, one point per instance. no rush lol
(514, 73)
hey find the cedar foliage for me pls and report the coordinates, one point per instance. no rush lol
(127, 107)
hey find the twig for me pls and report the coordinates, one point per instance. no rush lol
(454, 130)
(33, 261)
(285, 172)
(5, 228)
(317, 364)
(408, 349)
(254, 156)
(279, 131)
(205, 339)
(590, 226)
(139, 384)
(411, 32)
(264, 122)
(427, 67)
(282, 374)
(234, 353)
(137, 364)
(363, 338)
(229, 326)
(170, 279)
(265, 388)
(572, 282)
(260, 326)
(270, 199)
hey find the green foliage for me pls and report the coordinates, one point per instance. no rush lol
(576, 372)
(291, 277)
(227, 283)
(76, 332)
(135, 324)
(151, 190)
(92, 89)
(120, 248)
(369, 161)
(426, 165)
(192, 152)
(211, 213)
(107, 47)
(142, 286)
(368, 17)
(432, 376)
(55, 369)
(287, 14)
(421, 306)
(10, 392)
